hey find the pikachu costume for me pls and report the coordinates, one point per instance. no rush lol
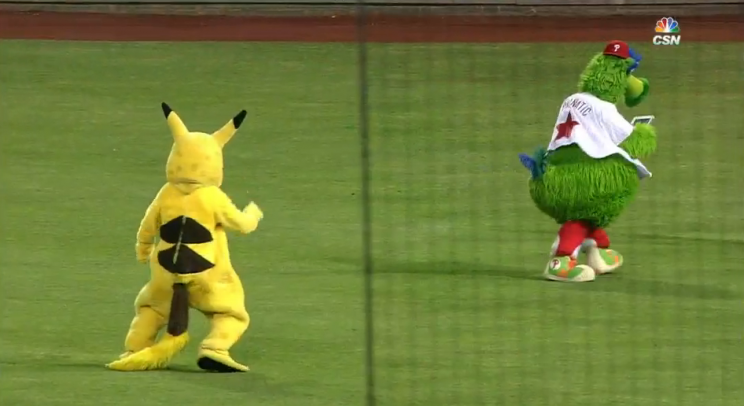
(189, 261)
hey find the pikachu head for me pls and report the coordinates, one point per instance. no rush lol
(196, 158)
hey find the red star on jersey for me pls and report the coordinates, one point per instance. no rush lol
(566, 128)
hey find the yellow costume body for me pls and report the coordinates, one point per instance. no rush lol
(183, 237)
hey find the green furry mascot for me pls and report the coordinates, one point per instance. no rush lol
(591, 170)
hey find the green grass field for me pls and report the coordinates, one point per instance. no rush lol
(461, 315)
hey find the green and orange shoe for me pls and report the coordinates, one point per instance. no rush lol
(603, 260)
(565, 269)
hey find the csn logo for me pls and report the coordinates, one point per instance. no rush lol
(670, 27)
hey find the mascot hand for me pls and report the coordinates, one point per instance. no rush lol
(642, 141)
(143, 251)
(636, 91)
(253, 211)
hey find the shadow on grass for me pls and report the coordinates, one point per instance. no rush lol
(61, 365)
(258, 385)
(250, 382)
(674, 240)
(618, 283)
(626, 285)
(455, 268)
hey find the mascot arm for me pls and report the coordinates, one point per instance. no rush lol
(642, 141)
(636, 91)
(228, 215)
(148, 230)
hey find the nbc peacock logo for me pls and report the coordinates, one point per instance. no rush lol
(670, 28)
(667, 25)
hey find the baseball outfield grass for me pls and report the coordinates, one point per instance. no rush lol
(461, 316)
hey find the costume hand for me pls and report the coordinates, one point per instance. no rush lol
(253, 210)
(635, 97)
(143, 251)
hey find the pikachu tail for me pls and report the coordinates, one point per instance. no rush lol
(173, 342)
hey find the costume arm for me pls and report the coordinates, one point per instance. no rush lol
(148, 230)
(642, 141)
(229, 216)
(639, 140)
(637, 91)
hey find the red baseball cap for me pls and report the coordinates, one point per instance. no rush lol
(617, 48)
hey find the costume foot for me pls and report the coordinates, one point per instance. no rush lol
(603, 260)
(121, 357)
(219, 361)
(565, 269)
(157, 356)
(126, 354)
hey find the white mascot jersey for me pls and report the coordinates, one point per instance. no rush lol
(595, 126)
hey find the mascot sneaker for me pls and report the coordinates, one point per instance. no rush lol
(219, 361)
(565, 269)
(603, 260)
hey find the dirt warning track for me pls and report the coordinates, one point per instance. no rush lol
(379, 28)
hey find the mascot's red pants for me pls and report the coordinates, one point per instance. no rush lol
(573, 234)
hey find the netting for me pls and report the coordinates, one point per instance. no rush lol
(461, 314)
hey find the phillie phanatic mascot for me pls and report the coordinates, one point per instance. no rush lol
(183, 237)
(591, 171)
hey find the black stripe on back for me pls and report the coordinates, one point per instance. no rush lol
(187, 261)
(188, 229)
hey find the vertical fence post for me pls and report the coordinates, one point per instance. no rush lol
(367, 268)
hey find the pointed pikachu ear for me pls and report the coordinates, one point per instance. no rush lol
(224, 134)
(177, 127)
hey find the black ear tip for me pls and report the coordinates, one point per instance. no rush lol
(166, 109)
(238, 120)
